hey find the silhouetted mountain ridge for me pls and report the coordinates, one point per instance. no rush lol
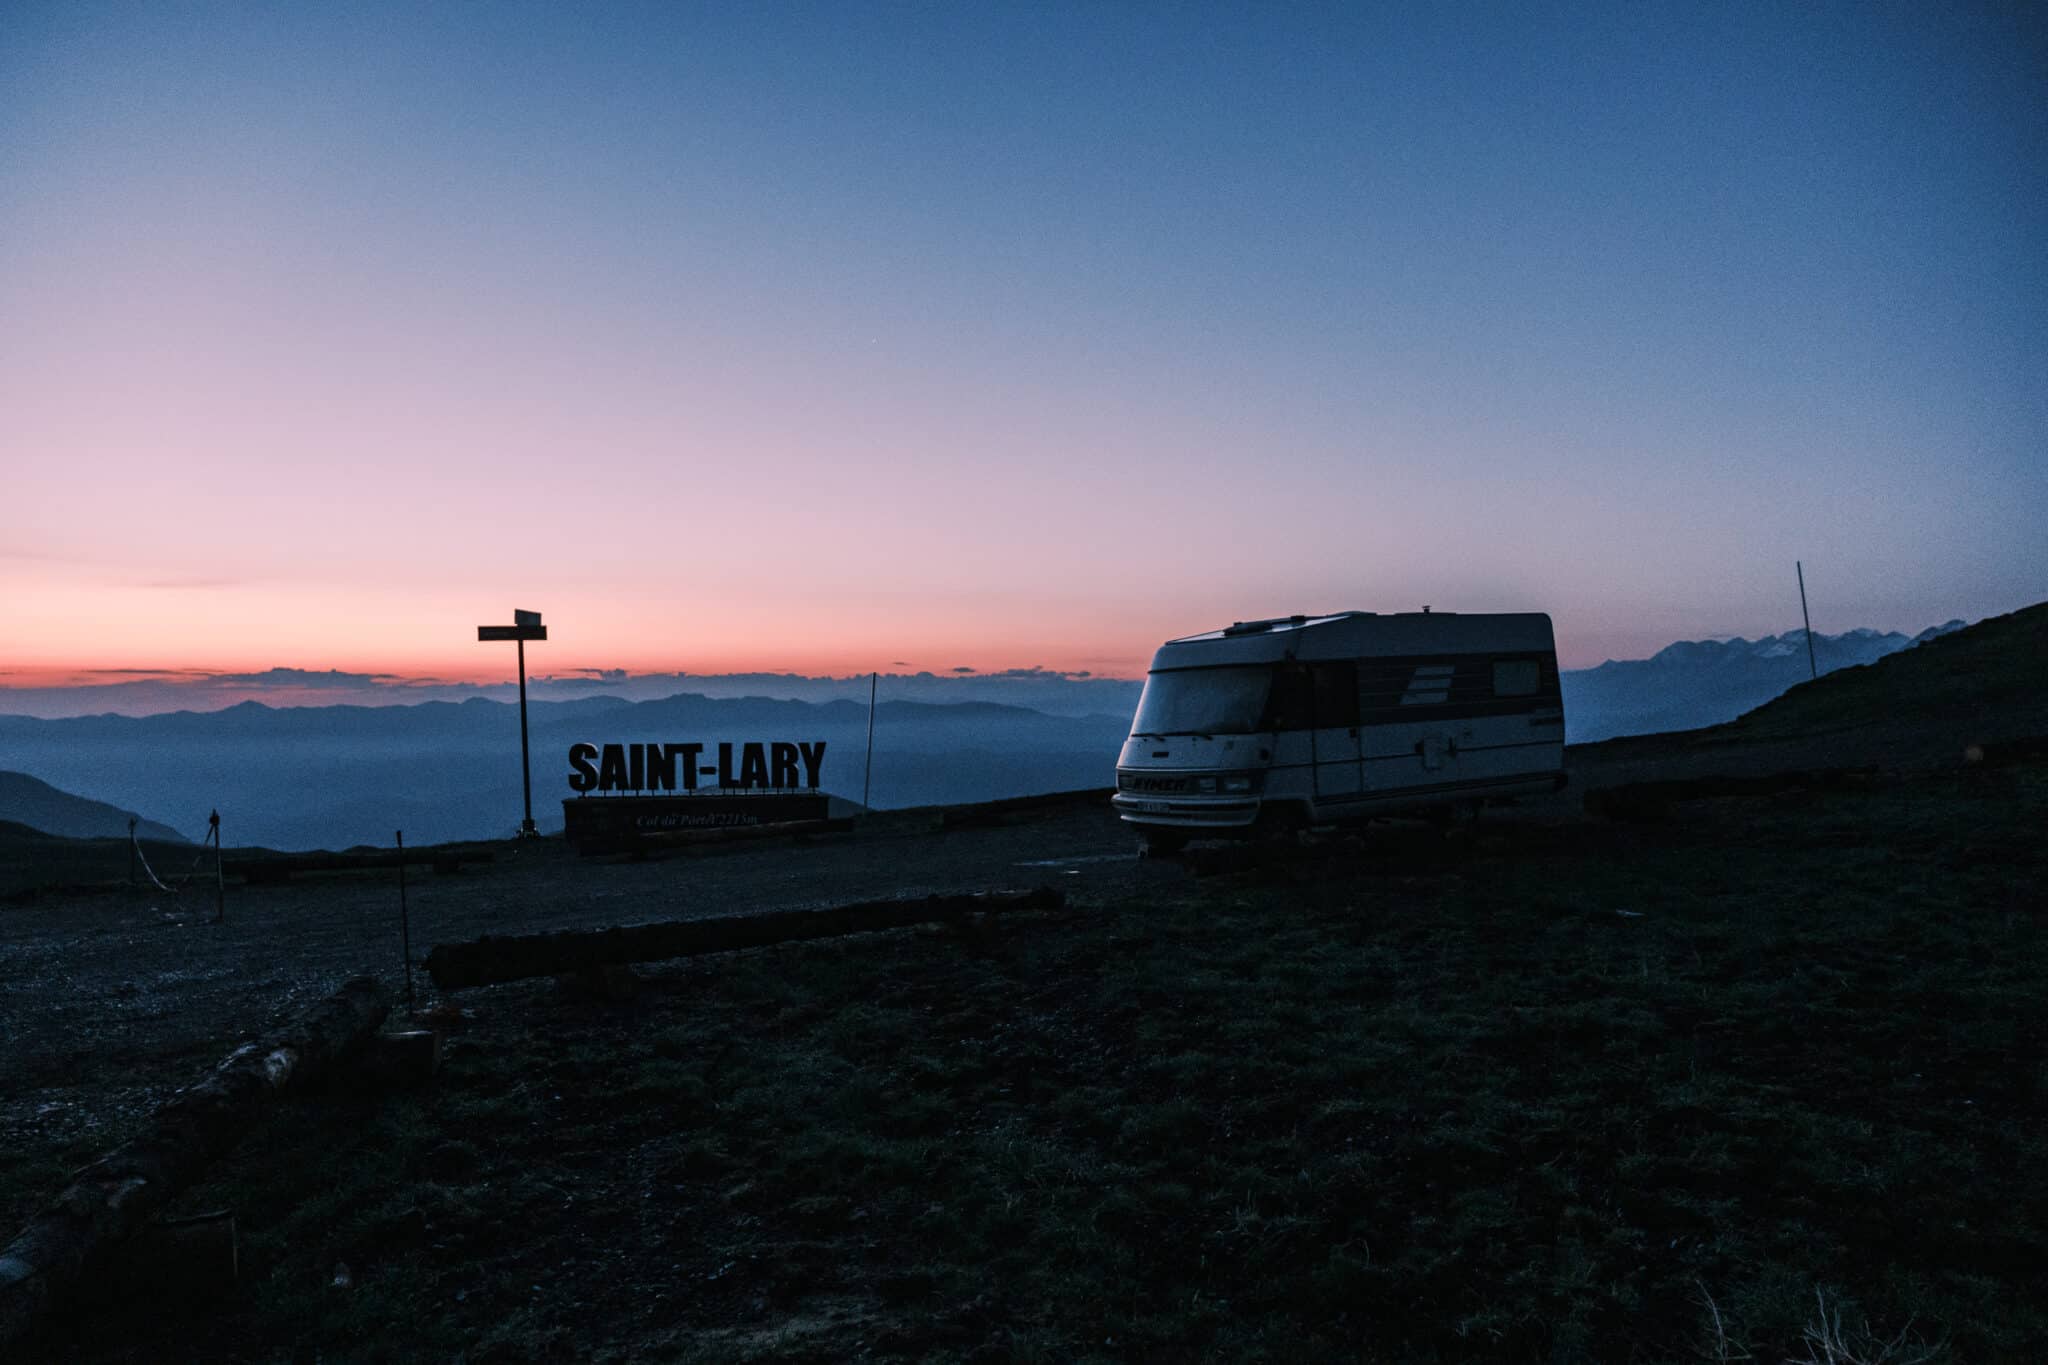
(1694, 683)
(32, 802)
(1978, 687)
(1971, 683)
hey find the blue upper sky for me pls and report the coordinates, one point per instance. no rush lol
(1013, 334)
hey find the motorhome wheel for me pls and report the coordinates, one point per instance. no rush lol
(1279, 824)
(1164, 843)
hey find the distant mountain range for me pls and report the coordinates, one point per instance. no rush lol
(1705, 682)
(1972, 694)
(29, 801)
(1054, 692)
(335, 776)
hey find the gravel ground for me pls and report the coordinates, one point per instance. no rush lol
(112, 999)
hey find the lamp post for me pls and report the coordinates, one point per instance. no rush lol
(525, 626)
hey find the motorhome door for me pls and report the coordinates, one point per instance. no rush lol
(1333, 705)
(1408, 742)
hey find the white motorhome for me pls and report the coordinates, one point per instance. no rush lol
(1265, 727)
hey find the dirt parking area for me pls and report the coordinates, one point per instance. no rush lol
(110, 999)
(1665, 1086)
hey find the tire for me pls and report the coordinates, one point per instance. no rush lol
(1278, 826)
(1164, 843)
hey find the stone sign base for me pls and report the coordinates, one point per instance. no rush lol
(614, 820)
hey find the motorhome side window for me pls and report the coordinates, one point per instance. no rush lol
(1336, 694)
(1313, 696)
(1293, 696)
(1517, 677)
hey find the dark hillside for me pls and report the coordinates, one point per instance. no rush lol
(33, 802)
(1921, 707)
(1695, 683)
(1968, 686)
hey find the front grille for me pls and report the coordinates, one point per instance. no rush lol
(1154, 784)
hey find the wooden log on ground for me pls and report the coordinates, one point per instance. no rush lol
(486, 961)
(117, 1195)
(397, 1061)
(1652, 800)
(2009, 751)
(282, 867)
(196, 1257)
(612, 982)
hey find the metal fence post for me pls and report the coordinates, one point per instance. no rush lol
(404, 922)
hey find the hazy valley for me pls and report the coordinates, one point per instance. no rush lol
(295, 777)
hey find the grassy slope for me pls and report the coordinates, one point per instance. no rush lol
(31, 860)
(1929, 701)
(1992, 667)
(1538, 1100)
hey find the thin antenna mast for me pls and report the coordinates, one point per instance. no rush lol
(1811, 666)
(867, 772)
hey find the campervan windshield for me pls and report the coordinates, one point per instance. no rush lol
(1203, 701)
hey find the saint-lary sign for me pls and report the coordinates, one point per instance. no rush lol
(779, 765)
(628, 793)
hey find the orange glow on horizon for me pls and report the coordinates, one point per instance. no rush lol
(570, 654)
(71, 633)
(449, 672)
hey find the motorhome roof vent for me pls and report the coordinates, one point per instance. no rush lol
(1261, 627)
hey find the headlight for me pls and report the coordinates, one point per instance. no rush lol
(1206, 785)
(1237, 782)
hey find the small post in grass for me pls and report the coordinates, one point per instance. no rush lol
(220, 888)
(131, 850)
(404, 922)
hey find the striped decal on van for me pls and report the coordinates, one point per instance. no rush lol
(1453, 687)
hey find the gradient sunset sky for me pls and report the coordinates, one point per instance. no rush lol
(819, 337)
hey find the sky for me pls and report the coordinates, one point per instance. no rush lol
(821, 338)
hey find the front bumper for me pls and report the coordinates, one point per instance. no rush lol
(1187, 812)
